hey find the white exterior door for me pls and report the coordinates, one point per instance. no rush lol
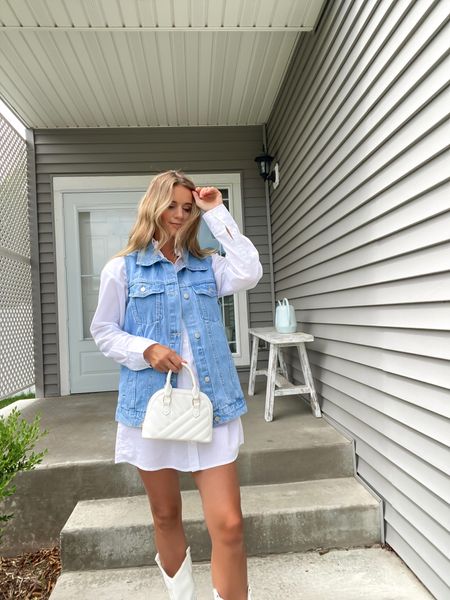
(96, 226)
(92, 223)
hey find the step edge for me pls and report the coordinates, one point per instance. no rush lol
(302, 483)
(286, 484)
(366, 506)
(243, 451)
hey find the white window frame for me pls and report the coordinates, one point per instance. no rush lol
(63, 185)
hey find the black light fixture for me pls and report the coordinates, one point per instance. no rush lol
(264, 161)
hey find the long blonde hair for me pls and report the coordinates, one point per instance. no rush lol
(156, 200)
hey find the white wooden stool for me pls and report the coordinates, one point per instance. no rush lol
(278, 377)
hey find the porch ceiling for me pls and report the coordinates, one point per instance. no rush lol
(147, 63)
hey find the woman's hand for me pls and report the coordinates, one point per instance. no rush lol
(207, 198)
(163, 358)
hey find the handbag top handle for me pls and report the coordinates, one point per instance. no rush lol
(283, 302)
(168, 386)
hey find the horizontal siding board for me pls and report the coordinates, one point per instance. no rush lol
(176, 156)
(345, 373)
(263, 288)
(310, 60)
(252, 211)
(431, 504)
(427, 288)
(138, 135)
(361, 247)
(435, 344)
(370, 266)
(259, 297)
(394, 210)
(261, 316)
(433, 479)
(138, 148)
(379, 198)
(322, 71)
(413, 316)
(395, 363)
(423, 571)
(350, 175)
(81, 168)
(366, 107)
(432, 529)
(313, 153)
(313, 66)
(426, 550)
(133, 137)
(301, 61)
(387, 407)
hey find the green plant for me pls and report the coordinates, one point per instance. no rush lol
(7, 401)
(17, 439)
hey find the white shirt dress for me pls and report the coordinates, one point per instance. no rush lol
(239, 270)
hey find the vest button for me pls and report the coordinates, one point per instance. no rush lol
(196, 335)
(143, 288)
(186, 295)
(216, 419)
(207, 379)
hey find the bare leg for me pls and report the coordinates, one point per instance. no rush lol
(163, 491)
(220, 493)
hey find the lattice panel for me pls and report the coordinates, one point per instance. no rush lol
(16, 315)
(14, 227)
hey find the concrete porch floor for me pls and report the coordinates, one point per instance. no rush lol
(82, 427)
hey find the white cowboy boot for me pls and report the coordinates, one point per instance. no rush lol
(217, 597)
(181, 586)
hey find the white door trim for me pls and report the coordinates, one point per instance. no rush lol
(62, 185)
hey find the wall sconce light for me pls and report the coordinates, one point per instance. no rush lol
(264, 161)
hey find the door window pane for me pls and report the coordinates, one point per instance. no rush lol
(102, 233)
(227, 303)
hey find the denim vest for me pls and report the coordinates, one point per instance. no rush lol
(158, 299)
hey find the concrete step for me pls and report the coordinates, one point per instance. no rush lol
(369, 573)
(79, 465)
(287, 517)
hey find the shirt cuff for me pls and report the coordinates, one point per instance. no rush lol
(137, 347)
(219, 220)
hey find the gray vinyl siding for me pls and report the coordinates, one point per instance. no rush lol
(361, 247)
(140, 151)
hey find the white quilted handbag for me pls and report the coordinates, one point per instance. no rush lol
(179, 414)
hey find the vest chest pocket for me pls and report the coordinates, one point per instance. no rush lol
(146, 301)
(207, 300)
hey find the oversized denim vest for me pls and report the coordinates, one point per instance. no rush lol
(159, 298)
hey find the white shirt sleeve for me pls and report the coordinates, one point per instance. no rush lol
(240, 269)
(107, 324)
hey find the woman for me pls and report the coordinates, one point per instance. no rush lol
(158, 308)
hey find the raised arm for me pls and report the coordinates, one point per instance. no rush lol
(241, 268)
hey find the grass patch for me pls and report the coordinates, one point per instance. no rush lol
(7, 401)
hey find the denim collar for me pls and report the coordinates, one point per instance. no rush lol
(150, 256)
